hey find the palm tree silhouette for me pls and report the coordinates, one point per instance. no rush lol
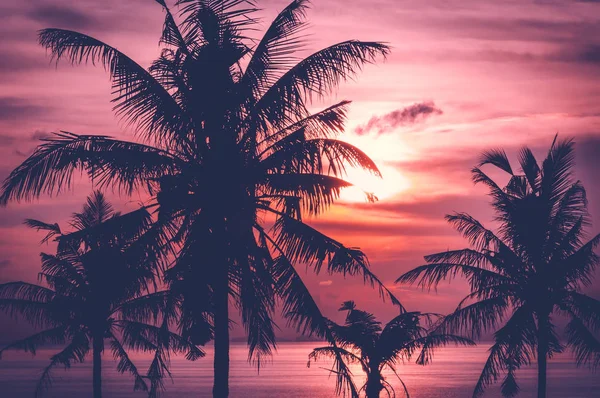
(96, 283)
(362, 340)
(230, 150)
(534, 267)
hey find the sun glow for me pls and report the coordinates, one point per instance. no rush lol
(389, 185)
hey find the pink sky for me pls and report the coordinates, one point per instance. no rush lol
(491, 74)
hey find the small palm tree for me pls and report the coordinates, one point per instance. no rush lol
(96, 284)
(532, 269)
(233, 161)
(362, 340)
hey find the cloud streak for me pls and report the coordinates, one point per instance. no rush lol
(60, 16)
(14, 109)
(401, 117)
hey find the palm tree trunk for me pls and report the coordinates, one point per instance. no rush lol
(542, 355)
(221, 319)
(542, 361)
(373, 386)
(97, 348)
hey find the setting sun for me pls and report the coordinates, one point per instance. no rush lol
(390, 184)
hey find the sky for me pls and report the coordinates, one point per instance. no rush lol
(463, 76)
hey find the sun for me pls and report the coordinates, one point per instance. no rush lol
(389, 185)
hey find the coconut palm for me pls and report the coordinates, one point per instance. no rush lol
(362, 340)
(532, 269)
(95, 291)
(232, 160)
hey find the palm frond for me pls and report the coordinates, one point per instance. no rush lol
(316, 75)
(430, 275)
(340, 369)
(530, 168)
(274, 53)
(578, 268)
(171, 35)
(126, 365)
(585, 344)
(315, 191)
(207, 22)
(95, 211)
(498, 158)
(51, 167)
(145, 308)
(557, 170)
(332, 353)
(36, 313)
(502, 198)
(302, 243)
(53, 229)
(139, 99)
(65, 268)
(484, 240)
(29, 301)
(477, 317)
(299, 307)
(568, 217)
(401, 381)
(323, 124)
(136, 335)
(25, 291)
(584, 307)
(430, 342)
(75, 351)
(513, 348)
(303, 312)
(56, 335)
(257, 302)
(319, 155)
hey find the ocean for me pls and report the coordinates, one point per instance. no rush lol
(452, 374)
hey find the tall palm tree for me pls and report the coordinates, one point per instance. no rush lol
(232, 160)
(533, 268)
(362, 340)
(96, 284)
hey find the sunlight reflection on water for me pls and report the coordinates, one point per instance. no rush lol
(452, 375)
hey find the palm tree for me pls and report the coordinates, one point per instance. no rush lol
(232, 160)
(534, 267)
(96, 283)
(362, 340)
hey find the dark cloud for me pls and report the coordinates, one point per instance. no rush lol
(400, 117)
(15, 61)
(21, 153)
(25, 143)
(39, 135)
(585, 53)
(524, 29)
(590, 54)
(14, 108)
(6, 140)
(60, 17)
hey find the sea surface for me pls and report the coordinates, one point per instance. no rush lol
(452, 374)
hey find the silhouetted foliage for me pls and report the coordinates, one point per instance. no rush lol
(96, 289)
(231, 148)
(534, 267)
(362, 340)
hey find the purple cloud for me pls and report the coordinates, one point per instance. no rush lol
(400, 117)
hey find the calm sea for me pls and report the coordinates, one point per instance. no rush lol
(453, 373)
